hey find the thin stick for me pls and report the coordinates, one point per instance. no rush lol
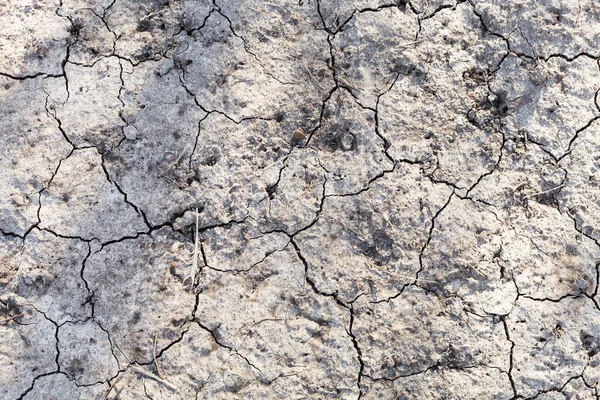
(314, 80)
(410, 43)
(265, 320)
(110, 388)
(545, 191)
(349, 84)
(155, 359)
(195, 261)
(156, 378)
(145, 388)
(124, 355)
(174, 163)
(3, 321)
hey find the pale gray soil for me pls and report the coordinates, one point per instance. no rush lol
(313, 199)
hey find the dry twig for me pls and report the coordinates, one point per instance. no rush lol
(156, 378)
(545, 191)
(155, 359)
(110, 388)
(195, 260)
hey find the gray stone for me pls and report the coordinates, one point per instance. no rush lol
(86, 353)
(370, 243)
(543, 28)
(554, 342)
(45, 268)
(33, 38)
(145, 308)
(417, 332)
(81, 202)
(299, 199)
(32, 147)
(29, 340)
(59, 386)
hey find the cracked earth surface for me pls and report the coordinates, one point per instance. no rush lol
(314, 199)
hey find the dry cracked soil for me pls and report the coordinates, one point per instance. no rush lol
(313, 199)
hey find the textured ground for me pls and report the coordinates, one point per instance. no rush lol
(334, 199)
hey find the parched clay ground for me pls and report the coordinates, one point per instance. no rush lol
(334, 199)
